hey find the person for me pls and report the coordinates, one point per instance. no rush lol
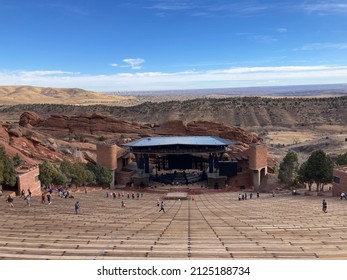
(43, 198)
(342, 195)
(29, 192)
(123, 204)
(49, 198)
(258, 195)
(324, 206)
(250, 195)
(273, 193)
(162, 207)
(27, 200)
(22, 193)
(240, 196)
(10, 201)
(77, 207)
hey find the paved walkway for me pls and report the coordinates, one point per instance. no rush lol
(212, 226)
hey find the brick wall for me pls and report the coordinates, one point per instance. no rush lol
(342, 185)
(242, 179)
(257, 156)
(106, 155)
(29, 180)
(123, 177)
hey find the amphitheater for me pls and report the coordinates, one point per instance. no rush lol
(212, 225)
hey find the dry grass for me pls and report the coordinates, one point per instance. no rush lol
(11, 95)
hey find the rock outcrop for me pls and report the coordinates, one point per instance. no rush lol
(96, 124)
(36, 139)
(29, 119)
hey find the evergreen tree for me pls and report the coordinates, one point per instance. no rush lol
(103, 176)
(342, 159)
(48, 172)
(1, 172)
(68, 169)
(60, 178)
(304, 177)
(320, 169)
(7, 169)
(289, 168)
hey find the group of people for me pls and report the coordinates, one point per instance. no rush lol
(123, 195)
(245, 196)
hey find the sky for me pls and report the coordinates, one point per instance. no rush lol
(126, 45)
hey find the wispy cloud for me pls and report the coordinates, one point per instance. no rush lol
(172, 6)
(217, 8)
(322, 46)
(263, 39)
(230, 77)
(282, 30)
(133, 63)
(326, 7)
(46, 73)
(114, 64)
(72, 9)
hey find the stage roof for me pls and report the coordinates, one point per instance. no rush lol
(179, 140)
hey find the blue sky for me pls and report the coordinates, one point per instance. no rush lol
(106, 45)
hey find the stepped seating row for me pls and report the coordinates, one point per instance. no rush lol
(212, 226)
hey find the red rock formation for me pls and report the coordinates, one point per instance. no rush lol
(28, 119)
(36, 138)
(221, 130)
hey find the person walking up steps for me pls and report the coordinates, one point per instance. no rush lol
(27, 200)
(324, 206)
(162, 207)
(77, 207)
(10, 201)
(49, 198)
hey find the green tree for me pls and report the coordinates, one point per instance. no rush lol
(48, 172)
(289, 168)
(342, 159)
(320, 169)
(1, 172)
(17, 160)
(7, 169)
(103, 176)
(68, 169)
(304, 177)
(60, 178)
(80, 176)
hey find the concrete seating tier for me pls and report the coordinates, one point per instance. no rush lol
(215, 225)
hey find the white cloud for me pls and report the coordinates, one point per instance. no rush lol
(323, 46)
(326, 7)
(231, 77)
(47, 73)
(282, 30)
(134, 63)
(114, 64)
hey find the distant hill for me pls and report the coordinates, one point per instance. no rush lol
(245, 112)
(12, 95)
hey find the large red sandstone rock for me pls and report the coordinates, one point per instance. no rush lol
(4, 134)
(28, 119)
(95, 125)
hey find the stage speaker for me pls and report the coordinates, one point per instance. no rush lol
(146, 164)
(210, 164)
(141, 163)
(228, 168)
